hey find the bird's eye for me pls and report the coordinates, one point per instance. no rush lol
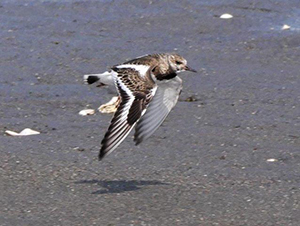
(177, 62)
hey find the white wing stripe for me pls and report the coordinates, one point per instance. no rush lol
(142, 69)
(121, 125)
(118, 129)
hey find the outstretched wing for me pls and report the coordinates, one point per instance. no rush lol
(164, 100)
(136, 88)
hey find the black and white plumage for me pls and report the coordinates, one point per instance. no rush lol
(149, 88)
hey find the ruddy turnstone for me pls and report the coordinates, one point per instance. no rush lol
(148, 89)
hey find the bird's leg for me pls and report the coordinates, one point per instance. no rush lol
(101, 84)
(111, 106)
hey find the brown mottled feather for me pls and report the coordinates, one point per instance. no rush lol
(141, 89)
(137, 91)
(158, 62)
(133, 80)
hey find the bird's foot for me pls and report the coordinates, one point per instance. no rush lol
(111, 106)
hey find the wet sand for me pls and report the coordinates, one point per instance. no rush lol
(208, 164)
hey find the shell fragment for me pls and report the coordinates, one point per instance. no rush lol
(285, 27)
(226, 16)
(272, 160)
(24, 132)
(87, 112)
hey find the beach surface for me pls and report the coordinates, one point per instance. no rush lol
(229, 152)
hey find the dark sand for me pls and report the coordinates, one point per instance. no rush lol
(207, 164)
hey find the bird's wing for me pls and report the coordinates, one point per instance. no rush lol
(140, 60)
(150, 59)
(136, 88)
(164, 100)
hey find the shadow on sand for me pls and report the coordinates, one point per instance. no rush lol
(119, 186)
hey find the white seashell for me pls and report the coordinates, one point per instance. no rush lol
(285, 27)
(87, 112)
(11, 133)
(226, 16)
(272, 160)
(24, 132)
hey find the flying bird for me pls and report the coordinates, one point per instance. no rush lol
(148, 88)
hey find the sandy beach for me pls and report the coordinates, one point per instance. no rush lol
(229, 152)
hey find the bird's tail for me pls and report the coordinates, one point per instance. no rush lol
(90, 79)
(105, 78)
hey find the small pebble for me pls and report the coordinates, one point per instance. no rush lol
(285, 27)
(191, 99)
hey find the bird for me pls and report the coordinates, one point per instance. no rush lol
(148, 87)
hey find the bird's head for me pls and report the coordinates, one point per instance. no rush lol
(178, 63)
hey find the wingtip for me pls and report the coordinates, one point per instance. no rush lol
(137, 141)
(101, 155)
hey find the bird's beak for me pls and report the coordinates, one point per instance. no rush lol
(190, 69)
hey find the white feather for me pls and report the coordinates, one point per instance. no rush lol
(142, 69)
(107, 78)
